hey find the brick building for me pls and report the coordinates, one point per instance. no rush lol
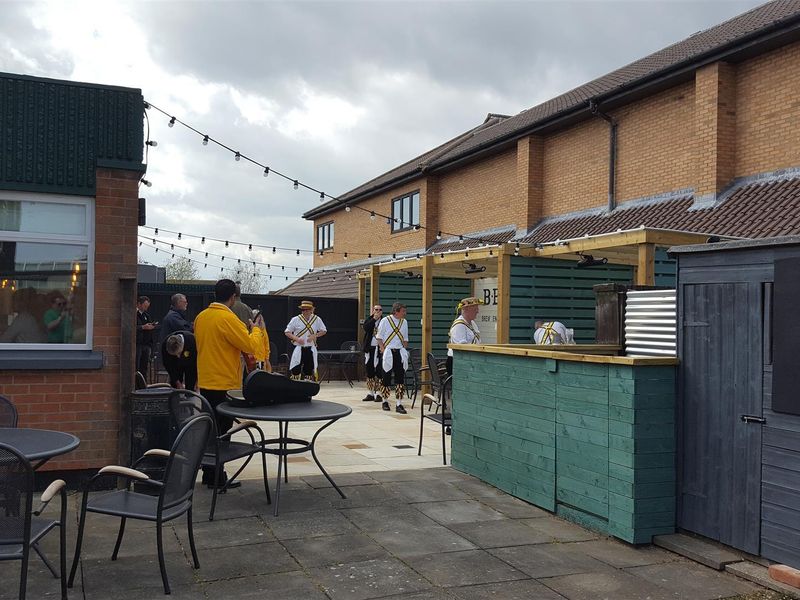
(70, 165)
(702, 136)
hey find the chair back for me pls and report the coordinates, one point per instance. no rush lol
(8, 413)
(184, 461)
(185, 405)
(445, 393)
(352, 347)
(16, 497)
(436, 378)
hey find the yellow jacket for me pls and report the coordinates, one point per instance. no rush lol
(221, 339)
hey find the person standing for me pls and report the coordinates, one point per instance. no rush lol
(304, 330)
(144, 336)
(392, 340)
(240, 309)
(552, 332)
(372, 356)
(464, 329)
(176, 319)
(221, 339)
(179, 353)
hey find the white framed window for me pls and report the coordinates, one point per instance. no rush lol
(46, 271)
(325, 236)
(405, 212)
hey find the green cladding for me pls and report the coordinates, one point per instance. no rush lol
(592, 442)
(55, 134)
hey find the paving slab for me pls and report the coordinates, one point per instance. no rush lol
(433, 594)
(335, 549)
(235, 532)
(499, 534)
(241, 561)
(428, 491)
(698, 550)
(361, 495)
(460, 511)
(549, 560)
(612, 585)
(387, 518)
(294, 585)
(759, 574)
(513, 507)
(368, 579)
(118, 577)
(343, 480)
(314, 523)
(525, 589)
(559, 530)
(452, 569)
(409, 541)
(619, 554)
(692, 581)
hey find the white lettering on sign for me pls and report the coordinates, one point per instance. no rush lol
(486, 289)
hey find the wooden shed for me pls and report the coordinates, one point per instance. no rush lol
(738, 414)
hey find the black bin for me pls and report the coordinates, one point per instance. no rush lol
(150, 428)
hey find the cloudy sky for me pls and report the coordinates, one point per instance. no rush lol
(332, 93)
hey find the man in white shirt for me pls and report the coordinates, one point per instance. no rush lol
(304, 330)
(392, 337)
(464, 329)
(552, 332)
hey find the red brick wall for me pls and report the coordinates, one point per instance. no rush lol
(86, 403)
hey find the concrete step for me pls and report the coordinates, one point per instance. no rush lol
(698, 550)
(760, 575)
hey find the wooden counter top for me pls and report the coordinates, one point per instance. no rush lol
(591, 353)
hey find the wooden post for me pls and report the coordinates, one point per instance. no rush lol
(427, 305)
(503, 295)
(374, 285)
(646, 269)
(362, 301)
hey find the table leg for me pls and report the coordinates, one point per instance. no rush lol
(285, 436)
(281, 456)
(316, 460)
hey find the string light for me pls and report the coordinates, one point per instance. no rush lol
(266, 171)
(172, 122)
(250, 247)
(147, 183)
(205, 140)
(237, 157)
(296, 184)
(439, 235)
(347, 208)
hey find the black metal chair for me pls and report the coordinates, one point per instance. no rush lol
(8, 413)
(140, 383)
(185, 405)
(350, 361)
(21, 527)
(174, 499)
(432, 372)
(413, 380)
(442, 415)
(279, 362)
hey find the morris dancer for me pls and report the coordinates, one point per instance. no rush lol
(304, 330)
(372, 356)
(464, 329)
(392, 339)
(552, 332)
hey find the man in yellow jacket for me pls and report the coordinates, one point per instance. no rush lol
(221, 340)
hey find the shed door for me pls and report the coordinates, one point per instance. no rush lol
(720, 454)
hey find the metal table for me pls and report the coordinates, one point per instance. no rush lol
(329, 355)
(38, 444)
(283, 414)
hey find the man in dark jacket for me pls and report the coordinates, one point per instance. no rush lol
(372, 356)
(176, 319)
(179, 353)
(144, 335)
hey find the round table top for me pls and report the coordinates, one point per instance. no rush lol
(36, 444)
(313, 410)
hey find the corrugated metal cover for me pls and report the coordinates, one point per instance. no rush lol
(650, 323)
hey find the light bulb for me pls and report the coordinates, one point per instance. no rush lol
(237, 156)
(347, 208)
(296, 184)
(266, 171)
(172, 122)
(205, 140)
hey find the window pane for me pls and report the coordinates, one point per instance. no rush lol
(43, 295)
(43, 217)
(415, 209)
(396, 214)
(406, 212)
(320, 238)
(330, 240)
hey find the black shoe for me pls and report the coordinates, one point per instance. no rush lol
(367, 398)
(385, 406)
(378, 398)
(401, 409)
(448, 431)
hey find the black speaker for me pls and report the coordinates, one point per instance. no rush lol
(142, 212)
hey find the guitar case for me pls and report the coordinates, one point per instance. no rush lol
(265, 389)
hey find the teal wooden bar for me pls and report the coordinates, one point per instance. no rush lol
(588, 436)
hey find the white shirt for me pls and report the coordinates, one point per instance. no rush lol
(464, 332)
(298, 326)
(386, 332)
(553, 332)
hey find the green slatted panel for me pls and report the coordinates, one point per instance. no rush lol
(666, 269)
(394, 288)
(557, 290)
(447, 293)
(367, 305)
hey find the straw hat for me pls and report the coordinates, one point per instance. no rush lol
(471, 301)
(306, 304)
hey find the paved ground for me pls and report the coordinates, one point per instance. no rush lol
(428, 534)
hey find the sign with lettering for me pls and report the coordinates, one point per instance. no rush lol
(485, 288)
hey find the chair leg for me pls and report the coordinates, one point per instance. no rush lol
(46, 562)
(23, 575)
(444, 451)
(421, 424)
(191, 538)
(264, 471)
(217, 473)
(161, 562)
(79, 541)
(63, 548)
(119, 538)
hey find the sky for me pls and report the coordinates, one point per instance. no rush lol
(331, 93)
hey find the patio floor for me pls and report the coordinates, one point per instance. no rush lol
(429, 533)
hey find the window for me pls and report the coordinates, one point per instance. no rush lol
(325, 236)
(405, 212)
(46, 271)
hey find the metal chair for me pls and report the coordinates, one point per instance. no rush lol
(279, 362)
(174, 499)
(185, 405)
(140, 383)
(444, 418)
(412, 381)
(8, 413)
(21, 527)
(350, 361)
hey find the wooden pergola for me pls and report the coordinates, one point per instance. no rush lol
(636, 248)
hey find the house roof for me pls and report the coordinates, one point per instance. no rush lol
(723, 41)
(758, 209)
(323, 284)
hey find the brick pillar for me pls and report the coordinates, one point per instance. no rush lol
(715, 129)
(429, 198)
(527, 208)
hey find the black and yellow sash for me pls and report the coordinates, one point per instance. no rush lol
(307, 325)
(460, 320)
(395, 331)
(550, 334)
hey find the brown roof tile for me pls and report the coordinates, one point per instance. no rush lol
(329, 285)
